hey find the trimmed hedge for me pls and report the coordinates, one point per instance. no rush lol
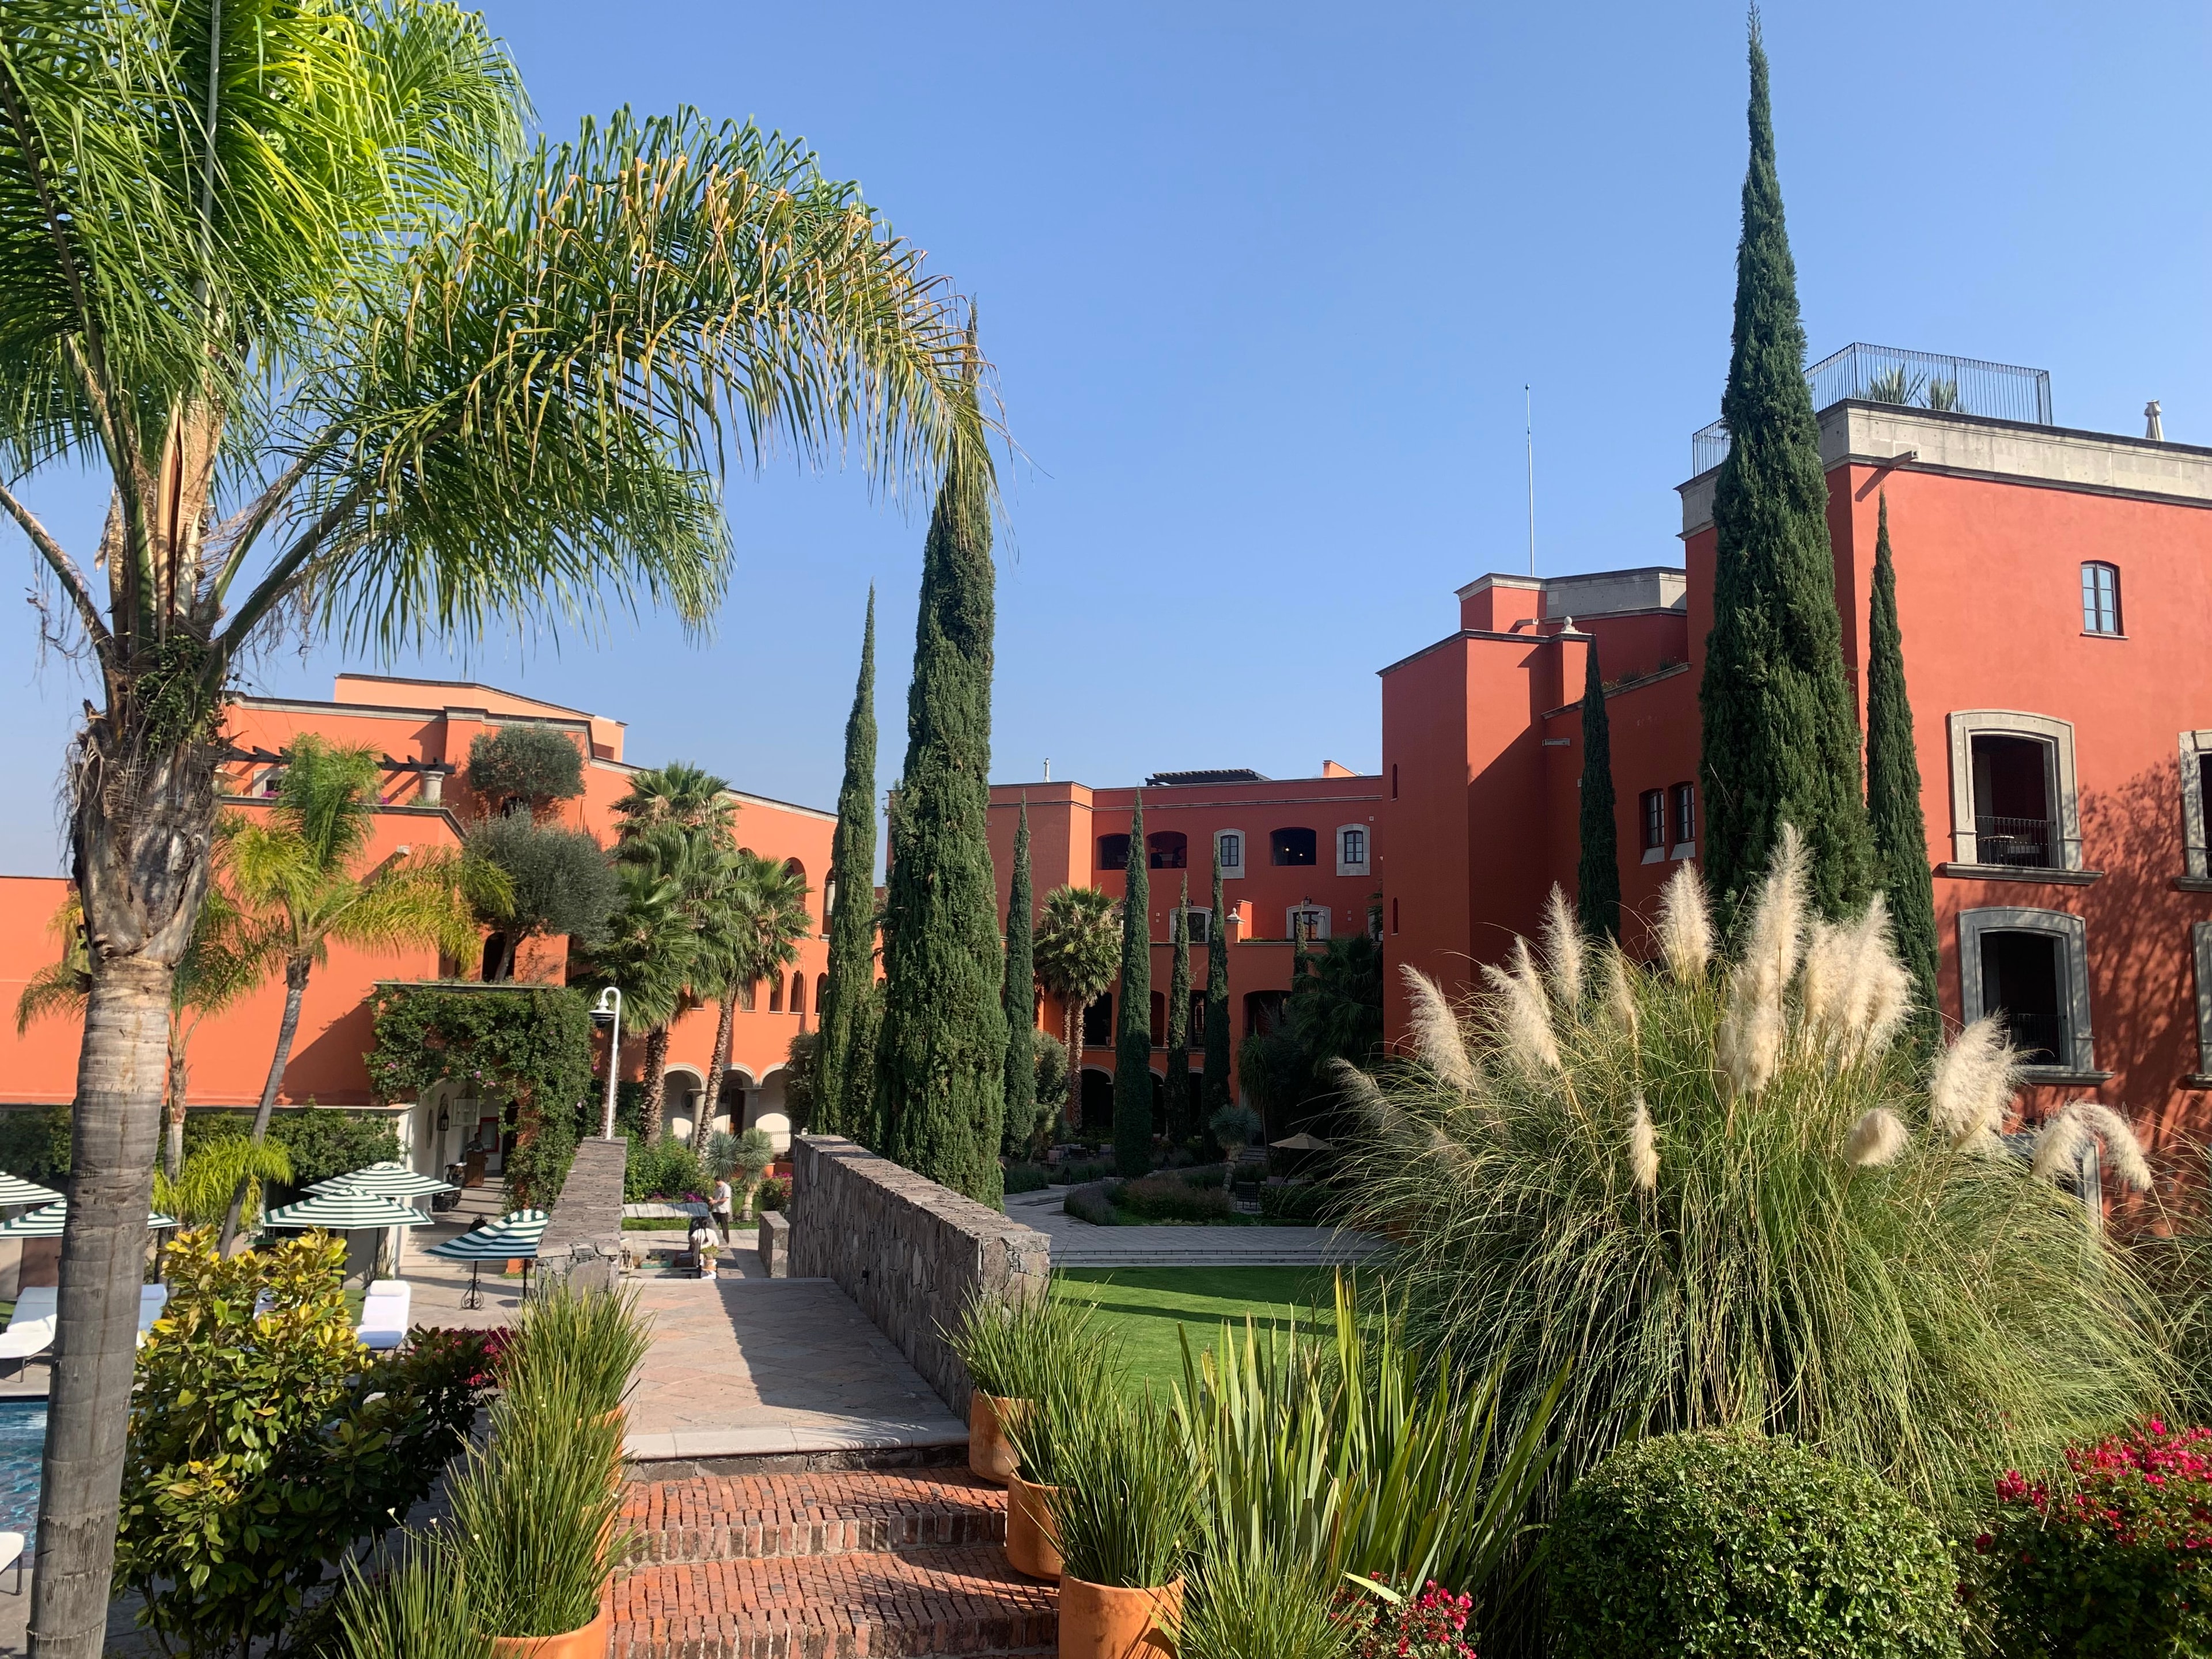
(1164, 1197)
(1726, 1546)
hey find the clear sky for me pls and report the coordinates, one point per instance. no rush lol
(1263, 284)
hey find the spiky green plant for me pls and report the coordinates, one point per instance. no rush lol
(1015, 1346)
(1124, 1508)
(1353, 1452)
(594, 1339)
(1728, 1200)
(418, 1608)
(1253, 1598)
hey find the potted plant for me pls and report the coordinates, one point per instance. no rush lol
(1125, 1508)
(1011, 1347)
(535, 1507)
(1032, 1539)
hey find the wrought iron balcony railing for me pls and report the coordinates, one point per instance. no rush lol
(2031, 844)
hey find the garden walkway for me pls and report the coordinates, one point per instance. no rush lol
(1083, 1244)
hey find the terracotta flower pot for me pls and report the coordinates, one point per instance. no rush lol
(586, 1642)
(1099, 1622)
(1032, 1542)
(990, 1455)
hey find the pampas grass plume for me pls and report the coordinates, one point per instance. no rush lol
(1526, 1015)
(2059, 1147)
(1878, 1138)
(1563, 950)
(1643, 1148)
(1686, 924)
(1436, 1032)
(1973, 1085)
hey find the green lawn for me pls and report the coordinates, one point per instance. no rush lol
(1147, 1307)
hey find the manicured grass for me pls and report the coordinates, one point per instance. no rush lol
(1148, 1307)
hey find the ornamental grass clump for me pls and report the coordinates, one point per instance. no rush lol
(1015, 1346)
(1124, 1506)
(2114, 1558)
(1729, 1196)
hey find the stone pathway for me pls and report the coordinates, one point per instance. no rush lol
(749, 1368)
(1083, 1244)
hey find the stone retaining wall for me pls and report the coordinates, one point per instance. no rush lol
(909, 1251)
(585, 1224)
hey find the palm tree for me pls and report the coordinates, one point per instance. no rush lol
(297, 869)
(200, 1194)
(648, 954)
(679, 796)
(347, 352)
(1078, 951)
(227, 958)
(760, 916)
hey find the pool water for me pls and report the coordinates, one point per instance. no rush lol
(22, 1444)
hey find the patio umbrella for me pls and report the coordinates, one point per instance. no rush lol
(392, 1180)
(346, 1212)
(14, 1189)
(47, 1223)
(1302, 1142)
(513, 1235)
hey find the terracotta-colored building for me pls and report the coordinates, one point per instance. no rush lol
(424, 729)
(2053, 595)
(1297, 853)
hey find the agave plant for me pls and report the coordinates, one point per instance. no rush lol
(1727, 1196)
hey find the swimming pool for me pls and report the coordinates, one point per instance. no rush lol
(22, 1444)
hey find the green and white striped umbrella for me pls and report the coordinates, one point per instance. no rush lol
(47, 1223)
(346, 1212)
(14, 1189)
(514, 1234)
(392, 1180)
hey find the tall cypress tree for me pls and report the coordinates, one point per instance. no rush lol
(941, 1051)
(1132, 1037)
(844, 1077)
(1018, 996)
(1178, 1089)
(1597, 879)
(1780, 731)
(1893, 813)
(1214, 1095)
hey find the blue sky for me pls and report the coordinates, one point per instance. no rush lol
(1263, 284)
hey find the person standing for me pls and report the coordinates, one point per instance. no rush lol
(719, 1205)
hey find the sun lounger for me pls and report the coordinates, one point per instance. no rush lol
(31, 1332)
(384, 1314)
(11, 1555)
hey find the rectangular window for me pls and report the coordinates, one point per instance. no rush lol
(1306, 921)
(1198, 925)
(1231, 847)
(1651, 805)
(2023, 982)
(1686, 814)
(1113, 853)
(1355, 847)
(2100, 599)
(2013, 821)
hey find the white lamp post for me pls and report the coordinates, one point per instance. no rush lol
(608, 1011)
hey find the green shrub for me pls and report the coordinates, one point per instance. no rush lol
(264, 1447)
(1305, 1202)
(1027, 1178)
(321, 1141)
(1722, 1544)
(2111, 1561)
(34, 1143)
(1164, 1197)
(1093, 1203)
(667, 1169)
(773, 1196)
(1235, 1126)
(1123, 1504)
(1081, 1172)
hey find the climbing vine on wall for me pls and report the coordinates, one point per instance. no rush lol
(529, 1044)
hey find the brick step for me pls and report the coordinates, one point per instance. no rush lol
(858, 1605)
(774, 1516)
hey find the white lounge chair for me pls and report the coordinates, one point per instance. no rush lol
(153, 1302)
(31, 1332)
(11, 1555)
(384, 1314)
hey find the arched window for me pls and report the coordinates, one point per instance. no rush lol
(776, 994)
(1167, 849)
(1292, 847)
(1159, 1020)
(1113, 853)
(2100, 597)
(1098, 1023)
(821, 991)
(798, 994)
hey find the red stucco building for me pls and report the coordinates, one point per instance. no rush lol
(2053, 594)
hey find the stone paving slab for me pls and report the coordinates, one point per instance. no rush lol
(1084, 1245)
(758, 1367)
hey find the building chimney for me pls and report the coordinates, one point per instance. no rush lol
(2153, 427)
